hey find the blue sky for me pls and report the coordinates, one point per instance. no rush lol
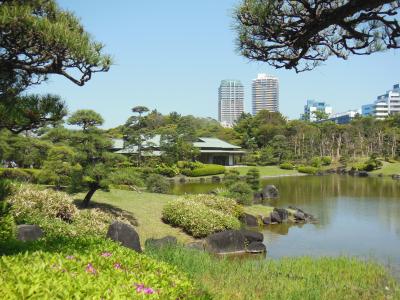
(172, 55)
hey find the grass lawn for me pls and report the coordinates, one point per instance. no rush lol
(286, 278)
(146, 208)
(388, 169)
(267, 171)
(258, 209)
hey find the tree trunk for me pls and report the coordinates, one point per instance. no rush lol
(88, 197)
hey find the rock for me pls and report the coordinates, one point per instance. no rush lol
(396, 176)
(363, 174)
(266, 220)
(182, 179)
(249, 220)
(256, 247)
(252, 236)
(275, 217)
(215, 179)
(159, 243)
(283, 213)
(341, 170)
(270, 191)
(299, 216)
(125, 234)
(258, 197)
(29, 232)
(228, 241)
(196, 245)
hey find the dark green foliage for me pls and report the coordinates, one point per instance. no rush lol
(231, 177)
(241, 192)
(287, 166)
(253, 179)
(157, 184)
(127, 176)
(7, 224)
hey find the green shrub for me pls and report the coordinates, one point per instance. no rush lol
(287, 166)
(127, 176)
(316, 162)
(326, 160)
(157, 184)
(56, 213)
(231, 176)
(91, 269)
(241, 192)
(201, 218)
(307, 170)
(169, 171)
(253, 179)
(205, 170)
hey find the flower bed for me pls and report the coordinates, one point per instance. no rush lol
(100, 270)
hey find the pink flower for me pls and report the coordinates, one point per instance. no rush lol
(140, 288)
(106, 254)
(90, 269)
(117, 266)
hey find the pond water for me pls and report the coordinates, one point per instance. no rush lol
(357, 217)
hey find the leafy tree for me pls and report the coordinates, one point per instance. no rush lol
(22, 113)
(86, 119)
(136, 131)
(59, 166)
(300, 34)
(253, 179)
(38, 39)
(97, 163)
(231, 177)
(320, 115)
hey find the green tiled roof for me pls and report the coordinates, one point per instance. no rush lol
(213, 143)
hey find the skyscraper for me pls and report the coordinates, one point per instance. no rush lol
(265, 93)
(230, 102)
(385, 105)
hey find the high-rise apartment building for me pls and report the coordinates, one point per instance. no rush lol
(265, 93)
(312, 107)
(230, 102)
(385, 105)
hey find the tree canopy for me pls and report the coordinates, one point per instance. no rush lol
(86, 118)
(37, 39)
(300, 34)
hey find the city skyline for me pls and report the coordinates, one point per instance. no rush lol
(189, 61)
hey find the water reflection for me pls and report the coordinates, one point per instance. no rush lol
(357, 216)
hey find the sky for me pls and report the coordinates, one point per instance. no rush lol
(172, 56)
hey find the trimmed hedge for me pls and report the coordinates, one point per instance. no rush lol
(205, 170)
(287, 166)
(307, 170)
(202, 215)
(90, 269)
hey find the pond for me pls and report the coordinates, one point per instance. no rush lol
(357, 217)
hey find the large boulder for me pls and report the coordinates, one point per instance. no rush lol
(29, 232)
(256, 247)
(125, 234)
(224, 242)
(275, 217)
(159, 243)
(249, 220)
(396, 176)
(363, 174)
(283, 213)
(270, 191)
(196, 245)
(266, 220)
(252, 236)
(299, 216)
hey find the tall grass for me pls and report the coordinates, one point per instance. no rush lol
(288, 278)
